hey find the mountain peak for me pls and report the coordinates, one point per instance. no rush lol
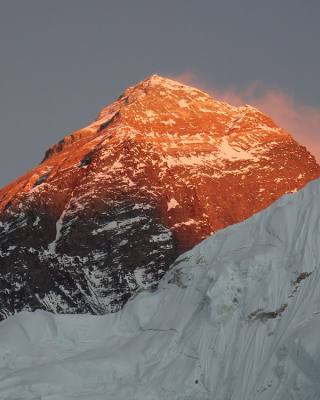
(113, 204)
(161, 85)
(156, 78)
(164, 106)
(166, 82)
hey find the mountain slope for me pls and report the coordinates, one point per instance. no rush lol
(236, 318)
(112, 205)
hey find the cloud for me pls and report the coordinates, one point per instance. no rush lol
(302, 121)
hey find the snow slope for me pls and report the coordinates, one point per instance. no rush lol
(236, 318)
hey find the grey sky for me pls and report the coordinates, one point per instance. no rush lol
(62, 60)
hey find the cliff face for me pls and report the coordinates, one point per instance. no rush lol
(112, 205)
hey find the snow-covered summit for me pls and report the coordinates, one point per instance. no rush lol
(112, 205)
(156, 80)
(237, 318)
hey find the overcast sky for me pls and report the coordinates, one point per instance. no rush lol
(62, 60)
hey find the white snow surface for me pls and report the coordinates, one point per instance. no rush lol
(172, 203)
(204, 334)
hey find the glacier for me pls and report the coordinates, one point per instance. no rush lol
(235, 318)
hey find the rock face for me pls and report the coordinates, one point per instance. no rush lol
(113, 204)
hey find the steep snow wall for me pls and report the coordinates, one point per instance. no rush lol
(237, 318)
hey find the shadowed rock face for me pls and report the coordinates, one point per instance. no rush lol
(112, 205)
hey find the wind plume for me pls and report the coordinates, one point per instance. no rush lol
(302, 121)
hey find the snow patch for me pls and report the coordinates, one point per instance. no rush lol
(169, 122)
(172, 204)
(183, 103)
(234, 153)
(162, 237)
(36, 222)
(118, 224)
(59, 225)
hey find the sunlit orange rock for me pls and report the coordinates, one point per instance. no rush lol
(113, 204)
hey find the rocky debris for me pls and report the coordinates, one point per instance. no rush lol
(263, 315)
